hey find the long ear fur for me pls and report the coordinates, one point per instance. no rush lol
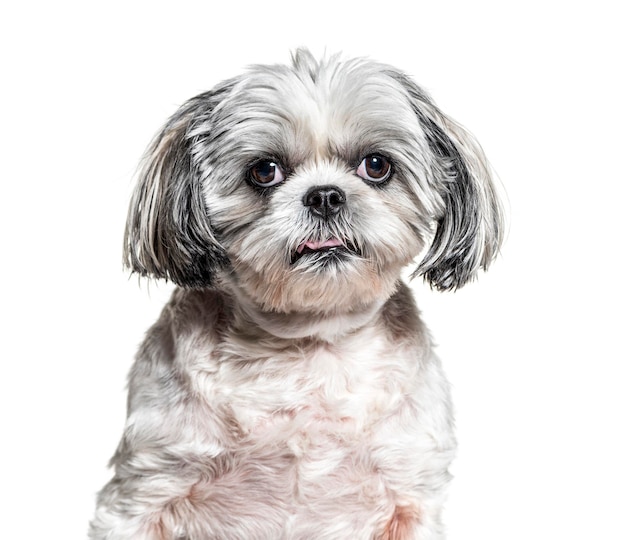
(469, 231)
(168, 234)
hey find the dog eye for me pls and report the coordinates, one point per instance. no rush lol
(374, 168)
(266, 173)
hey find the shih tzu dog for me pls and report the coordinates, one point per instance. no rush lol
(289, 389)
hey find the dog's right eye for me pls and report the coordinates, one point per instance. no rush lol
(266, 173)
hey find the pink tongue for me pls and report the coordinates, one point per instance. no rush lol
(333, 242)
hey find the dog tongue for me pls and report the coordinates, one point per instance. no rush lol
(333, 242)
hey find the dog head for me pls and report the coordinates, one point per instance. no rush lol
(309, 187)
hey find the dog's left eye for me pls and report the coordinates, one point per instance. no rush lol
(266, 173)
(374, 168)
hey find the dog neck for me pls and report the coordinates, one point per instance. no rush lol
(326, 326)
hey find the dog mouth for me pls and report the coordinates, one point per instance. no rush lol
(333, 247)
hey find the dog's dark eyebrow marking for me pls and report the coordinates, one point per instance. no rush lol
(353, 154)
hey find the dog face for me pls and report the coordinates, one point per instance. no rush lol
(309, 187)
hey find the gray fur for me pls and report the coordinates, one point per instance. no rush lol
(168, 232)
(469, 232)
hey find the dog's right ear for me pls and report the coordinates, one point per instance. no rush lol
(168, 231)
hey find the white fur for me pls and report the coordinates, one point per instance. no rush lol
(320, 440)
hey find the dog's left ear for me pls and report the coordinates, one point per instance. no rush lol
(168, 231)
(470, 229)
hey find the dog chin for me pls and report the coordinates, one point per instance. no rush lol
(321, 260)
(325, 281)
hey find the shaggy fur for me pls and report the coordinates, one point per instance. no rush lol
(289, 389)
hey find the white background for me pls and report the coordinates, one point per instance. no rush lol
(534, 349)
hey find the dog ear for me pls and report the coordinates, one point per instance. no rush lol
(469, 231)
(168, 232)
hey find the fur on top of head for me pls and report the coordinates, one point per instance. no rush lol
(313, 183)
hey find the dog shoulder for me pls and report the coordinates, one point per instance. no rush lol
(188, 328)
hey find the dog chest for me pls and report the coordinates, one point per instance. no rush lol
(341, 388)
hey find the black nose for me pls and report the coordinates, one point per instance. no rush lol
(324, 201)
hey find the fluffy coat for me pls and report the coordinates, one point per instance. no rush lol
(289, 389)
